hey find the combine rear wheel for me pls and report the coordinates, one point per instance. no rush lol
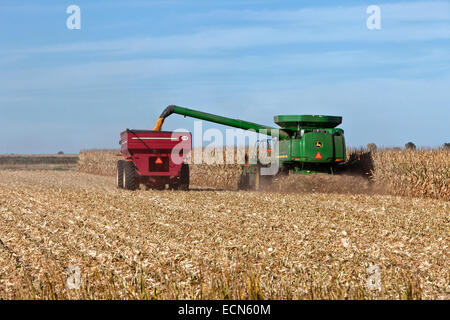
(130, 176)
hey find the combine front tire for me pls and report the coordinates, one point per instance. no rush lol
(244, 180)
(130, 176)
(254, 177)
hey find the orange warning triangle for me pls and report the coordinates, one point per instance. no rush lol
(158, 160)
(318, 155)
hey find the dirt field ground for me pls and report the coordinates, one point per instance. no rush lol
(215, 244)
(38, 161)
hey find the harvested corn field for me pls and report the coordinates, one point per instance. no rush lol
(215, 244)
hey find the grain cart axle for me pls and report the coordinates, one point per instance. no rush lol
(154, 158)
(306, 143)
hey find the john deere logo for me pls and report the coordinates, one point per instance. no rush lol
(318, 144)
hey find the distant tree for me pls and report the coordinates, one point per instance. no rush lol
(372, 147)
(447, 146)
(410, 146)
(396, 148)
(60, 152)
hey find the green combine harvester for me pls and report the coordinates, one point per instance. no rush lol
(306, 144)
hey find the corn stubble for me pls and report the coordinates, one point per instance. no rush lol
(215, 244)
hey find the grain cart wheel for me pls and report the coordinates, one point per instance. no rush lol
(130, 176)
(184, 177)
(119, 179)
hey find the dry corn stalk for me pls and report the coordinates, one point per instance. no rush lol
(414, 173)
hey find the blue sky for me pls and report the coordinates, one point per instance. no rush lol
(68, 90)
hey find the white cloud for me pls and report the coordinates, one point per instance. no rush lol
(399, 12)
(401, 22)
(207, 41)
(305, 66)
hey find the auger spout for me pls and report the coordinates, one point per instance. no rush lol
(236, 123)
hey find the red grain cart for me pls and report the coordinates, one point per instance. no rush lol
(154, 158)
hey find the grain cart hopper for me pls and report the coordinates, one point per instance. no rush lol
(154, 158)
(306, 143)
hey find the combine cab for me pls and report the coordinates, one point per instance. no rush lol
(154, 158)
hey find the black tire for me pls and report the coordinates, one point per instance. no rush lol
(184, 177)
(119, 179)
(258, 177)
(130, 176)
(254, 178)
(243, 183)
